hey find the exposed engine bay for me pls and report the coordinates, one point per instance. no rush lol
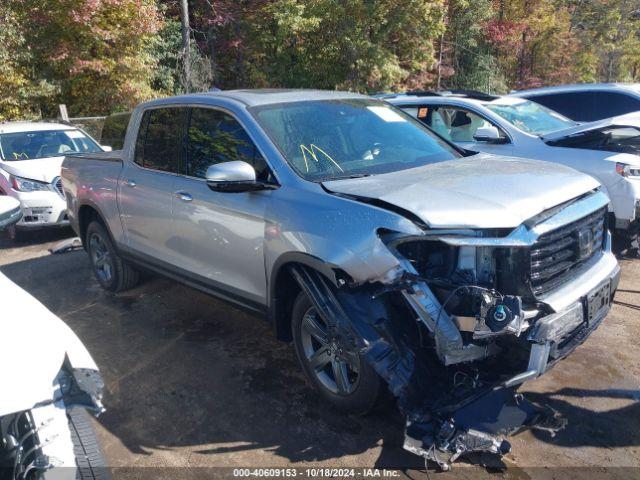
(464, 323)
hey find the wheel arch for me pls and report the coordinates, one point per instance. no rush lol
(283, 288)
(87, 213)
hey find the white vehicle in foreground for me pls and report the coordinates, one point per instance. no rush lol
(31, 155)
(608, 150)
(47, 381)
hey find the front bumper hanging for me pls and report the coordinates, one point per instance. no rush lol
(444, 421)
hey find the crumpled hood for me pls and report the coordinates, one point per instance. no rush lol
(627, 120)
(481, 191)
(34, 345)
(42, 169)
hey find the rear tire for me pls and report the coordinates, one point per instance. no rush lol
(113, 273)
(366, 390)
(89, 458)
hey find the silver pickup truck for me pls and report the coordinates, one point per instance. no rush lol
(393, 260)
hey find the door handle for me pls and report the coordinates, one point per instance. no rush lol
(131, 183)
(184, 196)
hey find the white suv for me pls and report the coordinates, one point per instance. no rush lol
(608, 150)
(31, 155)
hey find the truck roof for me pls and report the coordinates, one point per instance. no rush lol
(255, 97)
(15, 127)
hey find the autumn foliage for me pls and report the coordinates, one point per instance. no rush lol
(99, 56)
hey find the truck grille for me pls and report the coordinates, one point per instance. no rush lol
(559, 253)
(57, 185)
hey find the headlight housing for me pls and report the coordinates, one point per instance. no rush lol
(627, 170)
(25, 185)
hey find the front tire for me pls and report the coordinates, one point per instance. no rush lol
(113, 273)
(89, 458)
(342, 377)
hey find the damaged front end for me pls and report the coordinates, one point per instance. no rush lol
(468, 316)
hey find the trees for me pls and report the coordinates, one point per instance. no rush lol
(18, 91)
(609, 31)
(99, 56)
(468, 57)
(94, 52)
(354, 44)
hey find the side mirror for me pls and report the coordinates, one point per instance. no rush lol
(10, 211)
(234, 177)
(489, 135)
(106, 148)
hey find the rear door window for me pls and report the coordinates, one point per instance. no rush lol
(160, 139)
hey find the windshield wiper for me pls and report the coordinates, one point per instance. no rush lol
(355, 175)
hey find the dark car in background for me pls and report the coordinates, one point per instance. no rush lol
(587, 102)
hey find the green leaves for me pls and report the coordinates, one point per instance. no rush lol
(101, 56)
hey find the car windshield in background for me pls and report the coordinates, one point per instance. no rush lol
(328, 140)
(46, 143)
(531, 117)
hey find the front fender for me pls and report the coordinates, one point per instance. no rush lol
(39, 344)
(337, 236)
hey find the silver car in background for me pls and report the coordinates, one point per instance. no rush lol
(392, 259)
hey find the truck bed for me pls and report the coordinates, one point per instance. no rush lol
(113, 156)
(90, 180)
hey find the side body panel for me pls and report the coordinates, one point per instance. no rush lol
(220, 236)
(144, 198)
(92, 180)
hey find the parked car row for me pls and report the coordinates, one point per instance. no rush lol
(420, 248)
(608, 150)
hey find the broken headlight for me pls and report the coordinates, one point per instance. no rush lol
(456, 291)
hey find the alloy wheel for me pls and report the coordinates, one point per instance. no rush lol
(334, 366)
(101, 258)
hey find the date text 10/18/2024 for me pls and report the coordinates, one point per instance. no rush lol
(316, 472)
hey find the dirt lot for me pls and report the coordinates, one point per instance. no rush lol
(194, 382)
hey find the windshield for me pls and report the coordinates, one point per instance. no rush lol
(45, 143)
(327, 140)
(531, 117)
